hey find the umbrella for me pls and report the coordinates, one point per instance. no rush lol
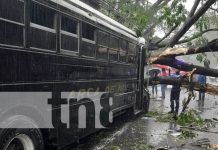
(152, 71)
(161, 66)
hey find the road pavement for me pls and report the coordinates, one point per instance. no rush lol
(142, 131)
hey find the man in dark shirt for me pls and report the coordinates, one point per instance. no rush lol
(174, 95)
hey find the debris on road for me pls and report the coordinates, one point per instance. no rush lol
(205, 142)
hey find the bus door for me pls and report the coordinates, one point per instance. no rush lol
(140, 99)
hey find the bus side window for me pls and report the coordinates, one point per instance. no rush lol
(88, 40)
(12, 10)
(103, 41)
(123, 50)
(114, 47)
(132, 53)
(11, 22)
(43, 24)
(69, 34)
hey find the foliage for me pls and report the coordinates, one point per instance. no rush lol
(166, 118)
(190, 117)
(115, 148)
(142, 146)
(174, 14)
(202, 58)
(133, 14)
(187, 134)
(153, 113)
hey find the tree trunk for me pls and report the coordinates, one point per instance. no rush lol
(184, 82)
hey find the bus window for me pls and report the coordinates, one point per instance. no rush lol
(103, 38)
(123, 44)
(69, 34)
(43, 16)
(132, 59)
(88, 45)
(69, 25)
(132, 53)
(114, 42)
(11, 34)
(11, 22)
(102, 52)
(113, 55)
(88, 31)
(113, 48)
(88, 49)
(43, 32)
(12, 10)
(122, 56)
(132, 48)
(103, 41)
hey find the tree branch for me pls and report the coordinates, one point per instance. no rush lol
(172, 29)
(184, 82)
(212, 46)
(190, 22)
(172, 62)
(193, 9)
(214, 9)
(196, 36)
(153, 9)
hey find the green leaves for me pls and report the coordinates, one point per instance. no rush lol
(173, 15)
(199, 58)
(207, 63)
(203, 58)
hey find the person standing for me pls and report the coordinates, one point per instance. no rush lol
(163, 86)
(202, 81)
(174, 95)
(154, 87)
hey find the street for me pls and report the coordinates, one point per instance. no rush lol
(146, 133)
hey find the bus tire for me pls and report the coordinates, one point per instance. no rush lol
(21, 138)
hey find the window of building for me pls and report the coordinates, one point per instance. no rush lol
(12, 10)
(103, 38)
(88, 31)
(43, 16)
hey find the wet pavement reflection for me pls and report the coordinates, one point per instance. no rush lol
(143, 132)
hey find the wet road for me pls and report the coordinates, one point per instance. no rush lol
(141, 131)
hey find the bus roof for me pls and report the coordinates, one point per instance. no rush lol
(96, 16)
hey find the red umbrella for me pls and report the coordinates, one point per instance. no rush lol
(161, 66)
(172, 70)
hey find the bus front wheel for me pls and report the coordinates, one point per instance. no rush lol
(21, 138)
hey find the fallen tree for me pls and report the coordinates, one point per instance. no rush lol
(180, 65)
(173, 52)
(184, 82)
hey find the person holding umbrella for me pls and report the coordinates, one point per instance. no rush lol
(163, 86)
(154, 87)
(174, 95)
